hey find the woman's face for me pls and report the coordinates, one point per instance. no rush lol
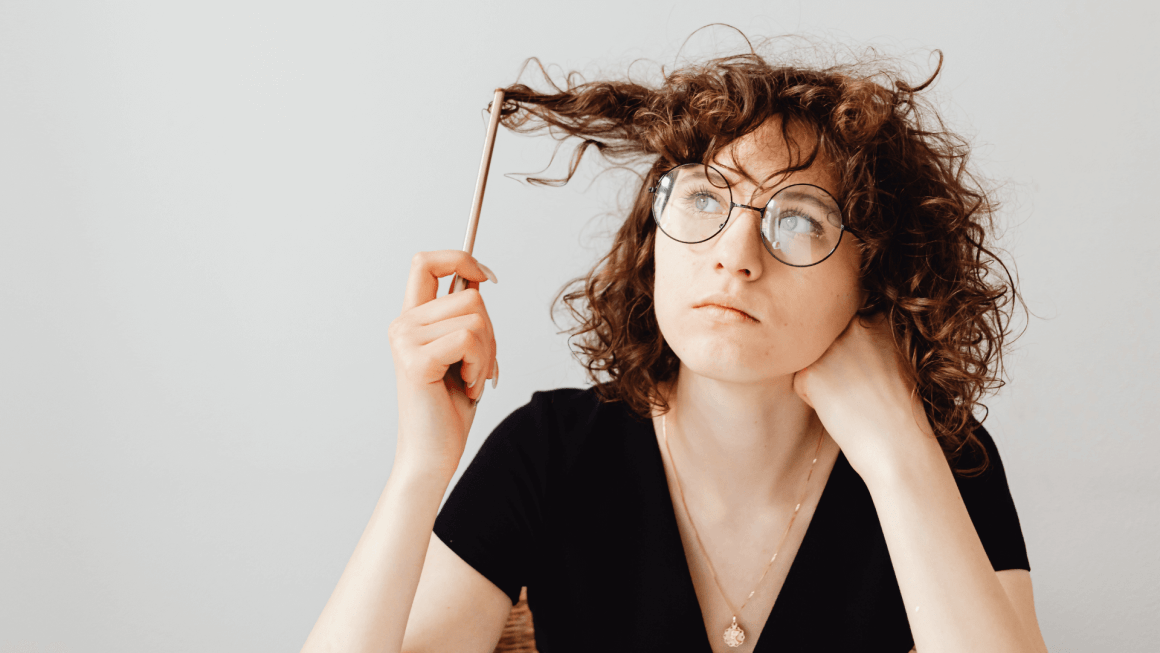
(794, 314)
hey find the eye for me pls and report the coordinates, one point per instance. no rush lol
(705, 202)
(798, 224)
(702, 200)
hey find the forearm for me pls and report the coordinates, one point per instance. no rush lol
(368, 609)
(954, 601)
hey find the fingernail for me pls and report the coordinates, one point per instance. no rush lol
(472, 384)
(495, 379)
(490, 275)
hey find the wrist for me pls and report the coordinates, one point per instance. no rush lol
(908, 457)
(421, 475)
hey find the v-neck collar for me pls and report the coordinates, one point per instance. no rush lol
(808, 556)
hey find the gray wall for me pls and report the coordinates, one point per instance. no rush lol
(207, 212)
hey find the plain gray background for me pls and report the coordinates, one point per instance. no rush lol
(207, 213)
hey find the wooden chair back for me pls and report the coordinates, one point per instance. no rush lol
(519, 635)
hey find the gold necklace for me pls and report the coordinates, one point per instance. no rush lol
(734, 635)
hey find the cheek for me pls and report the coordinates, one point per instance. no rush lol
(818, 308)
(667, 281)
(842, 290)
(851, 292)
(811, 307)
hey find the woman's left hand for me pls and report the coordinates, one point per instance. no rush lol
(864, 396)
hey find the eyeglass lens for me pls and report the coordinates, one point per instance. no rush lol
(801, 225)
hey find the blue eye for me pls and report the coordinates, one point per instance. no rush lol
(706, 203)
(797, 224)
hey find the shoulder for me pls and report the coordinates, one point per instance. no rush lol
(990, 505)
(979, 459)
(565, 422)
(565, 403)
(551, 412)
(580, 409)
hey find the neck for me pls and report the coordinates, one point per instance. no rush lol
(740, 446)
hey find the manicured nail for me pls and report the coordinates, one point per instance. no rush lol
(472, 384)
(486, 270)
(495, 379)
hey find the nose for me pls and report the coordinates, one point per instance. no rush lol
(738, 247)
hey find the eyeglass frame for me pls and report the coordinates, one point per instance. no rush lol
(842, 228)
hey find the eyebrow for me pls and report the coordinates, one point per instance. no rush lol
(829, 210)
(799, 195)
(745, 176)
(699, 173)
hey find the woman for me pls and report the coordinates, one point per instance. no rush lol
(788, 342)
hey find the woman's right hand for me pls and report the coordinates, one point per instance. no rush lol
(427, 339)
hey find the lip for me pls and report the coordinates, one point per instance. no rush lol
(727, 306)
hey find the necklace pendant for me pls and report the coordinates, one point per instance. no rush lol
(734, 636)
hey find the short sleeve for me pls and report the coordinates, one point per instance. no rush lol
(493, 515)
(989, 503)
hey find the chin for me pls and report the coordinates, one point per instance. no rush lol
(733, 354)
(732, 362)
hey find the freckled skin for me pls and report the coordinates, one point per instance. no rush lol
(801, 310)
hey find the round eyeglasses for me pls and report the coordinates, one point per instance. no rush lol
(801, 225)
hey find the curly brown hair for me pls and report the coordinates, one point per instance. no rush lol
(925, 221)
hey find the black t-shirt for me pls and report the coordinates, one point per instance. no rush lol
(568, 497)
